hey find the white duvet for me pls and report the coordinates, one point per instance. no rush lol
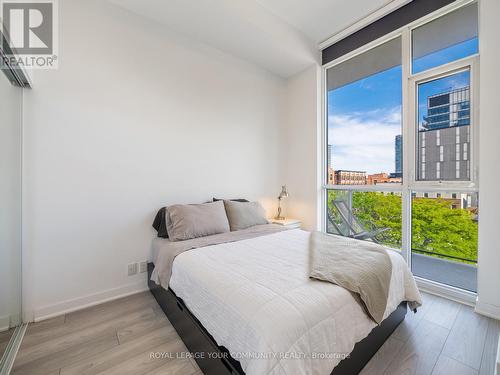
(255, 298)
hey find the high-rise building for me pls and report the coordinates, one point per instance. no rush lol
(444, 137)
(398, 148)
(448, 109)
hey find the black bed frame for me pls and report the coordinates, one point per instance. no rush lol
(216, 360)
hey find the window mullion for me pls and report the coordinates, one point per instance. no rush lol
(407, 132)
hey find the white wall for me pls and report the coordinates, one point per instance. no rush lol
(489, 160)
(134, 118)
(303, 147)
(10, 203)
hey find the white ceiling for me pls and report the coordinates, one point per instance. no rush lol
(279, 35)
(320, 19)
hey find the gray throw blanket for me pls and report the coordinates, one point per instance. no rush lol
(361, 267)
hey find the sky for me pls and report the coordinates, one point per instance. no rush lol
(365, 116)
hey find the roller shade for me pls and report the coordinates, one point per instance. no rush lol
(454, 28)
(376, 60)
(400, 17)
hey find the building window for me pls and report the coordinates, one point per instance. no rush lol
(465, 151)
(457, 151)
(457, 169)
(441, 153)
(438, 170)
(438, 137)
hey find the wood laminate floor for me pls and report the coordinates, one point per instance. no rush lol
(119, 337)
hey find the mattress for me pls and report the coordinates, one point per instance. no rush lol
(255, 298)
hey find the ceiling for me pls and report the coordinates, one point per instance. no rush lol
(280, 36)
(320, 19)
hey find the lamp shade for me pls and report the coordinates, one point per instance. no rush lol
(284, 192)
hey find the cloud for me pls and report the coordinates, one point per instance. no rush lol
(365, 140)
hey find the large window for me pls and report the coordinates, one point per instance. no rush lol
(402, 175)
(364, 99)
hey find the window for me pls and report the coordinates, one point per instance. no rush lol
(364, 98)
(444, 244)
(375, 213)
(451, 91)
(449, 38)
(374, 141)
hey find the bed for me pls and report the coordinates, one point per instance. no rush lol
(244, 304)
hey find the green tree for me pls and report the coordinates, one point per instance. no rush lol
(440, 229)
(436, 226)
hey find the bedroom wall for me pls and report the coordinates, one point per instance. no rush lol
(489, 160)
(135, 117)
(303, 146)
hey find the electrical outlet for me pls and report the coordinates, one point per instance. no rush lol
(143, 267)
(132, 269)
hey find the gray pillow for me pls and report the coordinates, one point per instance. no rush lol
(242, 215)
(186, 221)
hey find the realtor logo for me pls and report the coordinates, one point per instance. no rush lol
(30, 32)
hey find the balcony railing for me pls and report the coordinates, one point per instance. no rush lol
(441, 255)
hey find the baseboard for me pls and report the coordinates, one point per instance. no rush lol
(79, 303)
(486, 309)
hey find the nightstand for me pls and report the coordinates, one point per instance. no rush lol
(289, 223)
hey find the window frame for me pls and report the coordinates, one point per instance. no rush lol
(470, 64)
(410, 184)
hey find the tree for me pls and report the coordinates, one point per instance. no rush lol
(436, 226)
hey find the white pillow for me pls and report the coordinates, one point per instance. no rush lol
(242, 215)
(186, 221)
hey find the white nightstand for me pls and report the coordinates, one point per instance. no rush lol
(289, 223)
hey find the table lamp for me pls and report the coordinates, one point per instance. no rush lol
(283, 194)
